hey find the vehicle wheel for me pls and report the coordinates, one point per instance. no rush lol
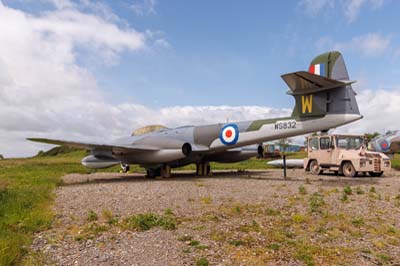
(315, 169)
(349, 170)
(374, 174)
(125, 168)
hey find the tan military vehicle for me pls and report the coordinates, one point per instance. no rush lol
(344, 154)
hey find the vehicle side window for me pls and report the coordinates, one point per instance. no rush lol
(313, 144)
(325, 143)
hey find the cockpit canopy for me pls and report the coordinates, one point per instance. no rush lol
(147, 129)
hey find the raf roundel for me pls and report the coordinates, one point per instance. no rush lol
(229, 134)
(385, 145)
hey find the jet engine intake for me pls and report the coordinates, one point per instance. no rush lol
(186, 149)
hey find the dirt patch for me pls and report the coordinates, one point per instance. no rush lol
(247, 218)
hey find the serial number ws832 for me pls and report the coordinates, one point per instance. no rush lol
(283, 125)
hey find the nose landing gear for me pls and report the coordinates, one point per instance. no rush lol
(125, 168)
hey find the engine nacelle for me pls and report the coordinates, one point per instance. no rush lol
(99, 161)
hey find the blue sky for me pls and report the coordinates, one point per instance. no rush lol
(99, 69)
(233, 52)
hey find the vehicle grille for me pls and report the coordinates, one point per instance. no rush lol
(377, 165)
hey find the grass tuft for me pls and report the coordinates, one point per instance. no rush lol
(144, 222)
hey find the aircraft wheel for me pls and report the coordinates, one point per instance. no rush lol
(374, 174)
(125, 168)
(315, 169)
(349, 170)
(153, 173)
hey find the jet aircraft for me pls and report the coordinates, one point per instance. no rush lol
(324, 99)
(388, 143)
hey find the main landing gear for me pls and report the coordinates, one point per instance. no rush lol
(203, 169)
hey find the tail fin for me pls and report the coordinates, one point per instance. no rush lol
(325, 89)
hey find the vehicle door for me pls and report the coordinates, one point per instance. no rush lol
(325, 151)
(313, 148)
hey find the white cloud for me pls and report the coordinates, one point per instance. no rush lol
(370, 44)
(380, 109)
(314, 7)
(144, 7)
(351, 8)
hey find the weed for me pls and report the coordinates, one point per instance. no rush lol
(194, 243)
(168, 211)
(358, 221)
(202, 262)
(143, 222)
(274, 246)
(236, 243)
(372, 190)
(91, 216)
(383, 257)
(302, 190)
(272, 212)
(308, 181)
(347, 190)
(90, 231)
(206, 200)
(185, 238)
(237, 209)
(344, 197)
(359, 191)
(316, 202)
(298, 218)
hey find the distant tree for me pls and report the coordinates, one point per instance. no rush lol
(1, 157)
(371, 136)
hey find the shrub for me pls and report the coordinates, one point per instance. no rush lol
(347, 190)
(202, 262)
(359, 191)
(302, 190)
(316, 202)
(144, 222)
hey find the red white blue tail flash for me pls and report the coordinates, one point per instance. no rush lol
(229, 134)
(318, 69)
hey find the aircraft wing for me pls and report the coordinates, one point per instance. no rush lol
(100, 146)
(302, 82)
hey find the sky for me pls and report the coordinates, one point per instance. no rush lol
(97, 70)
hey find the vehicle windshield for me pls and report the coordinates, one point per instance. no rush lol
(348, 142)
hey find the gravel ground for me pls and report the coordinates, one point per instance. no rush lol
(235, 218)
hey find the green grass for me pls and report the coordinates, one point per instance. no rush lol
(26, 194)
(396, 161)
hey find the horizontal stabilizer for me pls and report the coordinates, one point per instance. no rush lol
(303, 82)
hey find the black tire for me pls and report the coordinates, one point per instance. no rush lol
(315, 169)
(348, 170)
(374, 174)
(153, 173)
(336, 173)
